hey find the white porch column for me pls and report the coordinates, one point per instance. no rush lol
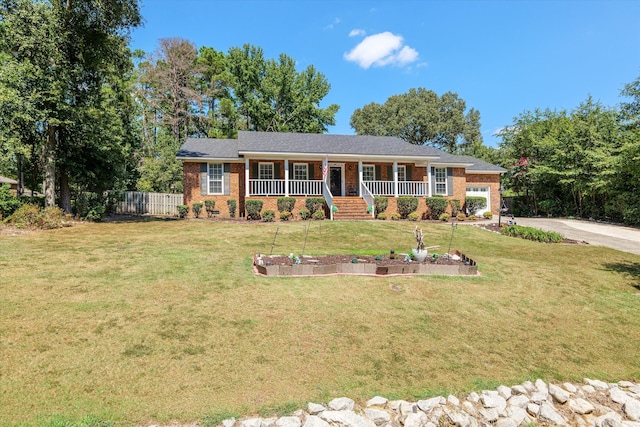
(395, 179)
(429, 180)
(286, 177)
(246, 177)
(360, 178)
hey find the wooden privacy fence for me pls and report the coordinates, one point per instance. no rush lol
(137, 202)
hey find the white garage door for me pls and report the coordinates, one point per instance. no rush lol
(480, 191)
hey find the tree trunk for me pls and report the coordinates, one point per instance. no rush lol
(65, 193)
(49, 159)
(20, 190)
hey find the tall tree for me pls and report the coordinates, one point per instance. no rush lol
(68, 50)
(422, 117)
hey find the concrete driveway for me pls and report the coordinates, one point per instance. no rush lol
(624, 239)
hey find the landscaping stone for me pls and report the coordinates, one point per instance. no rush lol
(580, 405)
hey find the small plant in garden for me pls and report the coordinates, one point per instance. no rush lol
(461, 217)
(268, 215)
(253, 208)
(318, 215)
(315, 204)
(381, 203)
(285, 216)
(455, 206)
(406, 205)
(487, 215)
(382, 216)
(286, 204)
(305, 214)
(475, 203)
(183, 210)
(196, 207)
(472, 217)
(531, 233)
(210, 206)
(232, 208)
(437, 206)
(419, 236)
(444, 217)
(395, 216)
(413, 216)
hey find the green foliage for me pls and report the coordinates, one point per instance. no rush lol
(472, 217)
(318, 215)
(395, 216)
(444, 217)
(487, 215)
(455, 206)
(305, 214)
(315, 204)
(286, 204)
(413, 216)
(183, 211)
(406, 205)
(210, 206)
(422, 117)
(253, 208)
(216, 418)
(285, 215)
(8, 202)
(268, 215)
(475, 203)
(232, 204)
(95, 213)
(437, 206)
(50, 217)
(382, 216)
(381, 203)
(531, 233)
(196, 208)
(25, 216)
(461, 217)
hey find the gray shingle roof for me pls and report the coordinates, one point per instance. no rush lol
(321, 144)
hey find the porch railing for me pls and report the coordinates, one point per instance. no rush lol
(368, 198)
(405, 188)
(276, 187)
(379, 188)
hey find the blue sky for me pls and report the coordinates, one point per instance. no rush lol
(501, 57)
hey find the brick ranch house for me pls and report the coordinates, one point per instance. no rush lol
(269, 165)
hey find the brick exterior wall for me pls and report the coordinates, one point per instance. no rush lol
(191, 183)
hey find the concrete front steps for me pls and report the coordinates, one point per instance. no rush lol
(351, 209)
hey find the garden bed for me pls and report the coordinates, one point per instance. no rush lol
(280, 265)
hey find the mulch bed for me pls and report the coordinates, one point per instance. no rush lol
(494, 227)
(385, 260)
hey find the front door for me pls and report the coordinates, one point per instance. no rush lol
(335, 180)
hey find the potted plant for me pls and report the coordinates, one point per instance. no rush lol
(420, 253)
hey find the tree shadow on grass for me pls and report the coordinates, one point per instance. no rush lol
(629, 269)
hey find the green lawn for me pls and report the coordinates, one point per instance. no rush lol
(137, 322)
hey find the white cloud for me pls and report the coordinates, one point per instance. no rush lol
(335, 22)
(382, 49)
(357, 32)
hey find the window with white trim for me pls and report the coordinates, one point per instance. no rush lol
(441, 180)
(402, 173)
(300, 171)
(265, 170)
(216, 178)
(368, 173)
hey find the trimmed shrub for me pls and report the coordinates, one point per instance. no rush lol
(285, 215)
(475, 203)
(305, 214)
(444, 217)
(455, 206)
(196, 207)
(210, 206)
(232, 204)
(381, 203)
(25, 216)
(183, 211)
(472, 217)
(253, 208)
(395, 216)
(461, 217)
(8, 202)
(268, 215)
(531, 233)
(318, 215)
(487, 215)
(315, 204)
(406, 205)
(437, 206)
(413, 216)
(286, 204)
(382, 216)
